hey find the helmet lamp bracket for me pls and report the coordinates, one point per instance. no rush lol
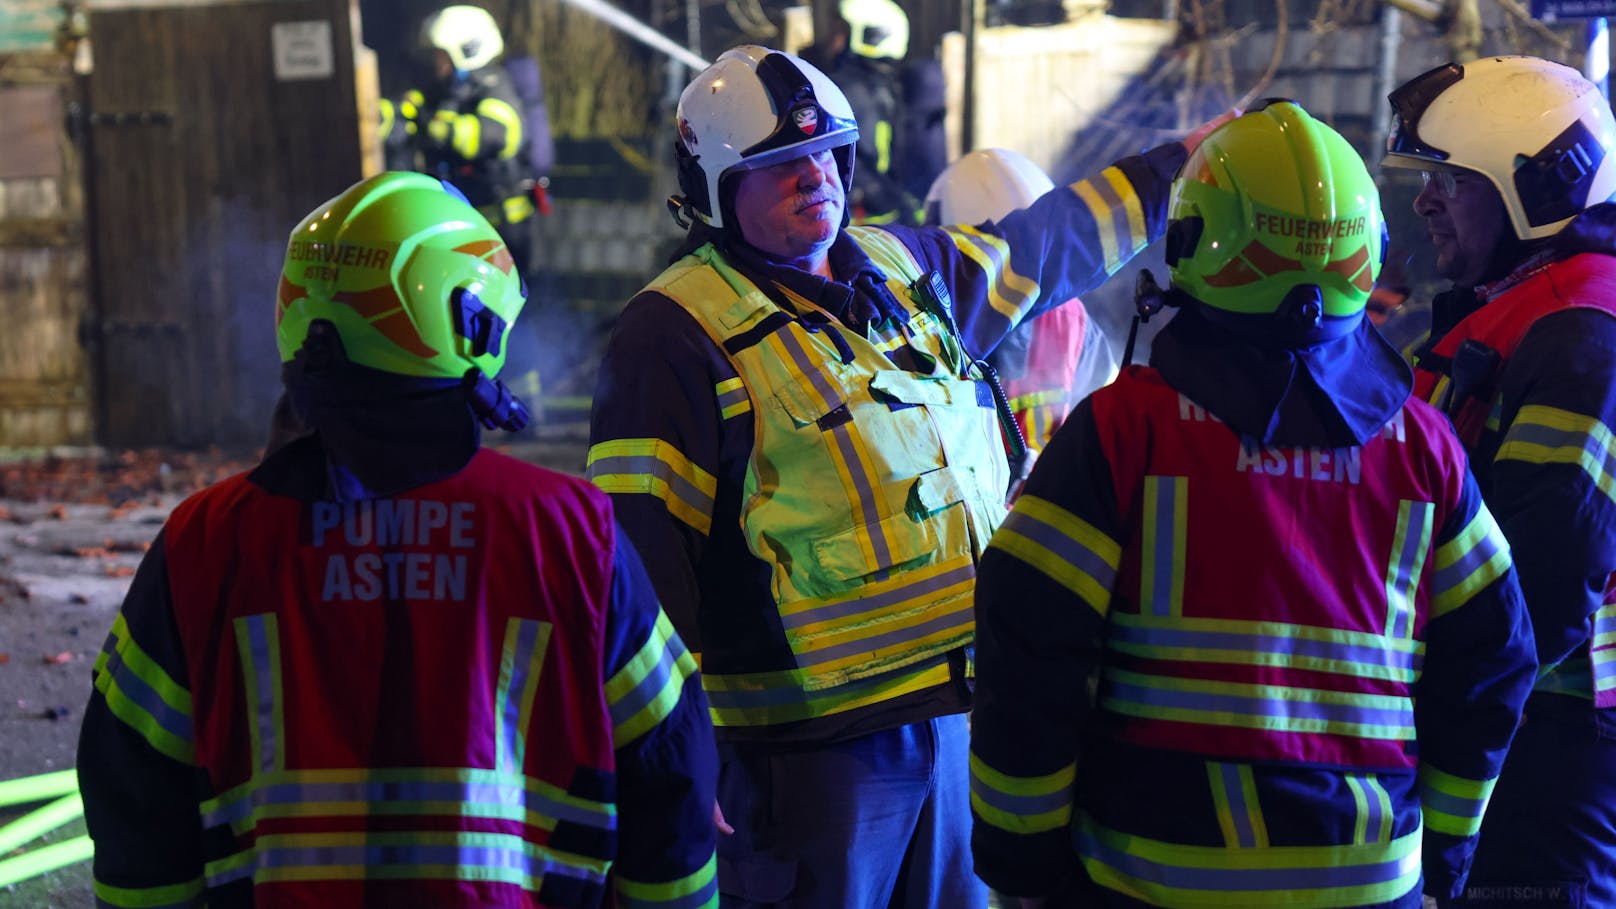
(1553, 184)
(1183, 235)
(476, 322)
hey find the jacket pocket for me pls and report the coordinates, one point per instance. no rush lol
(818, 399)
(856, 553)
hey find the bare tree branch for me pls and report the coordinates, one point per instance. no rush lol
(1524, 16)
(596, 84)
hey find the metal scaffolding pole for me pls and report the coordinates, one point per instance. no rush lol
(1391, 37)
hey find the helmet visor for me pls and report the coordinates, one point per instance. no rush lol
(771, 157)
(1404, 147)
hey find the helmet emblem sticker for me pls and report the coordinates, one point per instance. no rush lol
(806, 118)
(686, 133)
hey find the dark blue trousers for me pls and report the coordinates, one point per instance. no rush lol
(1548, 838)
(878, 822)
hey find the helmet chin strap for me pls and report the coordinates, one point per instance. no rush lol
(679, 207)
(1148, 299)
(493, 403)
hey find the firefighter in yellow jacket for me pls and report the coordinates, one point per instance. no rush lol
(797, 429)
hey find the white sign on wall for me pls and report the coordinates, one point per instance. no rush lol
(303, 50)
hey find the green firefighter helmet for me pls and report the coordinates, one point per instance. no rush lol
(1272, 207)
(415, 281)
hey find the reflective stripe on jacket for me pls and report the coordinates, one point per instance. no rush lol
(1043, 394)
(1463, 374)
(487, 774)
(870, 491)
(1309, 662)
(473, 136)
(1313, 658)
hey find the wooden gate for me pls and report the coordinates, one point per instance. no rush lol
(212, 129)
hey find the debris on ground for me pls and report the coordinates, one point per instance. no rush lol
(118, 479)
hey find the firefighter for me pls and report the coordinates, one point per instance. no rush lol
(387, 666)
(463, 122)
(1517, 157)
(899, 106)
(798, 433)
(1048, 364)
(477, 119)
(1250, 619)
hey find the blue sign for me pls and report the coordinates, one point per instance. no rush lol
(1551, 10)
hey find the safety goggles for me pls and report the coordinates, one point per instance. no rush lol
(1451, 180)
(1447, 183)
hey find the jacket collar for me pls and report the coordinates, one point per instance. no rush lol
(858, 296)
(368, 435)
(1334, 394)
(1592, 231)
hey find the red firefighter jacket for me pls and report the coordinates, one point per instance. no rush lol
(1213, 672)
(1063, 341)
(1529, 379)
(463, 695)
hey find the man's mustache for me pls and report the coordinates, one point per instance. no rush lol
(804, 200)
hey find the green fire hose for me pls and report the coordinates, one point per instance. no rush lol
(60, 791)
(37, 788)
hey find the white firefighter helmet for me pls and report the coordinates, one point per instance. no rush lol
(985, 185)
(468, 34)
(755, 107)
(1537, 130)
(878, 29)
